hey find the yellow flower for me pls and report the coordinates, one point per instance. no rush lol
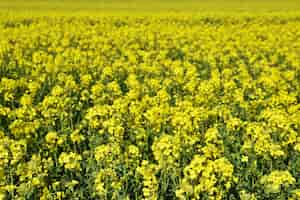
(244, 159)
(277, 179)
(297, 147)
(51, 137)
(76, 137)
(70, 160)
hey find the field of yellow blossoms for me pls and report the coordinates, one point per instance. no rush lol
(158, 107)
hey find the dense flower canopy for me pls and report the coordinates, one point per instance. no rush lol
(153, 107)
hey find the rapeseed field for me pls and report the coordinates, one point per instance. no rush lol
(154, 100)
